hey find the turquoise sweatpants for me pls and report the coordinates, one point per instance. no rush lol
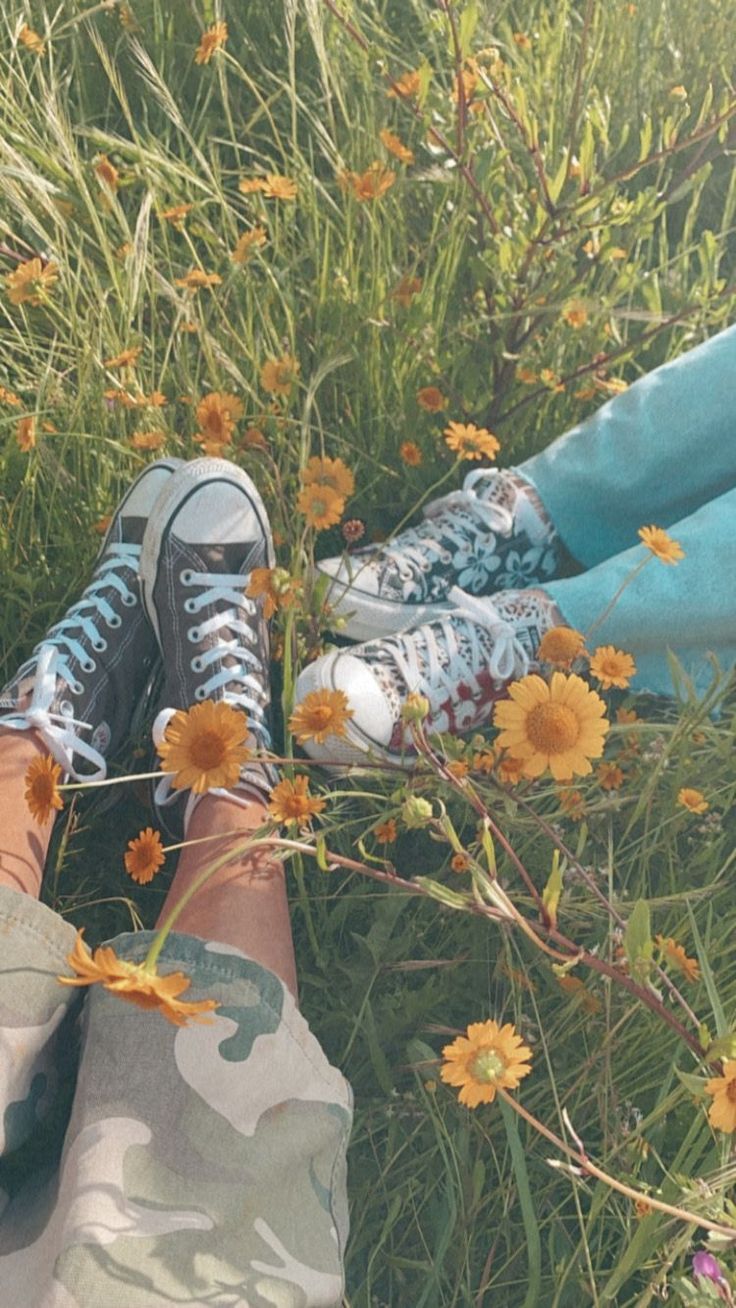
(662, 453)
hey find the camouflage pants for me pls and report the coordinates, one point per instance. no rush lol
(144, 1166)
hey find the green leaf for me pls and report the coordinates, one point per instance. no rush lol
(638, 943)
(529, 1216)
(442, 893)
(553, 889)
(645, 139)
(466, 27)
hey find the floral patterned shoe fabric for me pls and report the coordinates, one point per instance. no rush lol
(461, 663)
(492, 535)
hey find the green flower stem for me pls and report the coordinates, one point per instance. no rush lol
(589, 1168)
(626, 582)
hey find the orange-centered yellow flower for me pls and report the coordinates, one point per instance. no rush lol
(144, 856)
(320, 714)
(431, 399)
(471, 442)
(396, 147)
(42, 794)
(329, 472)
(275, 587)
(278, 375)
(661, 545)
(213, 39)
(321, 505)
(216, 416)
(560, 726)
(197, 278)
(489, 1058)
(722, 1112)
(31, 281)
(135, 984)
(612, 667)
(561, 646)
(292, 804)
(204, 746)
(692, 799)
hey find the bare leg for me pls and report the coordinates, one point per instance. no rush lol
(244, 903)
(23, 841)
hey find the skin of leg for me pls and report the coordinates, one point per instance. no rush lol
(244, 903)
(23, 841)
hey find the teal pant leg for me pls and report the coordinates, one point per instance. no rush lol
(654, 454)
(688, 607)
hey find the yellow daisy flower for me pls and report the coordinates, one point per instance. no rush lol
(490, 1057)
(204, 746)
(144, 856)
(321, 506)
(396, 147)
(292, 804)
(31, 281)
(247, 243)
(410, 454)
(279, 375)
(320, 714)
(42, 794)
(431, 399)
(212, 40)
(560, 726)
(135, 983)
(722, 1112)
(25, 434)
(675, 954)
(329, 472)
(612, 667)
(561, 646)
(692, 799)
(471, 442)
(662, 546)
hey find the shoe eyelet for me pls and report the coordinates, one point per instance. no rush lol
(89, 665)
(115, 621)
(196, 665)
(185, 577)
(77, 688)
(67, 708)
(199, 693)
(193, 634)
(130, 600)
(190, 606)
(99, 645)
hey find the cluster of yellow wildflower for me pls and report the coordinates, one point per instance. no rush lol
(326, 485)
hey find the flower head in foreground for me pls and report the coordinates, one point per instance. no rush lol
(42, 794)
(722, 1112)
(31, 40)
(692, 799)
(197, 278)
(490, 1057)
(204, 746)
(25, 433)
(321, 506)
(329, 472)
(213, 39)
(561, 646)
(247, 243)
(560, 726)
(320, 714)
(396, 147)
(144, 856)
(675, 954)
(662, 546)
(275, 587)
(292, 804)
(278, 375)
(135, 983)
(216, 416)
(471, 442)
(31, 281)
(612, 667)
(410, 454)
(431, 399)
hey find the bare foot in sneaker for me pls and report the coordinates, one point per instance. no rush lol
(492, 535)
(461, 663)
(83, 682)
(209, 531)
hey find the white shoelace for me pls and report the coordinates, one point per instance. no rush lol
(216, 588)
(431, 536)
(438, 683)
(59, 731)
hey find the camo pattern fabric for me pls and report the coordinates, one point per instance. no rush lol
(144, 1165)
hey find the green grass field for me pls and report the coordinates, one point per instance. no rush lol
(567, 223)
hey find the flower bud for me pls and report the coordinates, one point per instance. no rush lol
(416, 708)
(416, 812)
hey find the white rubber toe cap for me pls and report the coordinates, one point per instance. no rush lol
(368, 731)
